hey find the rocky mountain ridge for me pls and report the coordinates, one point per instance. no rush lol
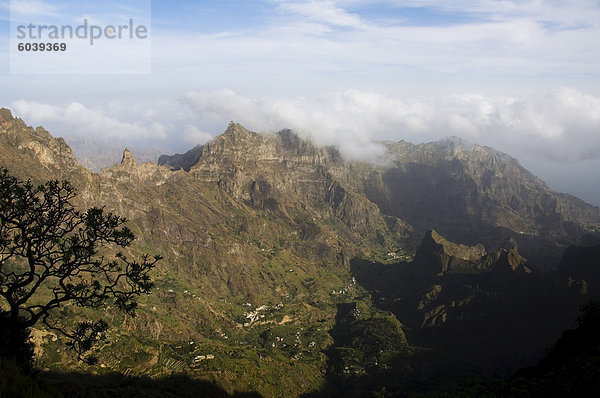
(471, 193)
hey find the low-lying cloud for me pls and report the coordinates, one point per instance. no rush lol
(77, 119)
(562, 125)
(554, 134)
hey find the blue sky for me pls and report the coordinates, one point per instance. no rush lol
(522, 76)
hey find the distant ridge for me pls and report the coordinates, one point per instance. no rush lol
(94, 154)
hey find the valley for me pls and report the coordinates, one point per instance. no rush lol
(290, 271)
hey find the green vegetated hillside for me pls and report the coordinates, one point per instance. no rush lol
(288, 270)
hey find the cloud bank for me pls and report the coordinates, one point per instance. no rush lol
(556, 134)
(562, 125)
(77, 119)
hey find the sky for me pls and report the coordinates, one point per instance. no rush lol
(520, 76)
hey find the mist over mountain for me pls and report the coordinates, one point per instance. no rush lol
(94, 154)
(290, 270)
(552, 132)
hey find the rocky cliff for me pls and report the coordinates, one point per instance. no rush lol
(34, 153)
(475, 194)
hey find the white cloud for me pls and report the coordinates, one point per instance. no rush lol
(322, 122)
(571, 13)
(76, 118)
(32, 8)
(196, 136)
(554, 133)
(563, 125)
(306, 42)
(325, 11)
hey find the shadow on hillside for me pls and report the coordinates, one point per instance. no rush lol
(75, 385)
(499, 321)
(370, 358)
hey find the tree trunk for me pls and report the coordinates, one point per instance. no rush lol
(14, 342)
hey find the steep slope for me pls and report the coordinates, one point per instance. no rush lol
(34, 153)
(254, 241)
(476, 194)
(276, 173)
(471, 193)
(438, 256)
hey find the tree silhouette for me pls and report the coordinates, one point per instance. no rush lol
(52, 255)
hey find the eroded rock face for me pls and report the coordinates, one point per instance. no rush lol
(240, 201)
(25, 149)
(128, 162)
(267, 171)
(436, 255)
(464, 301)
(475, 194)
(471, 192)
(334, 206)
(130, 171)
(5, 115)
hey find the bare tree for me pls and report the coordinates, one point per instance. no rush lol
(51, 254)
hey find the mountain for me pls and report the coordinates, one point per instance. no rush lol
(243, 256)
(469, 193)
(34, 153)
(475, 194)
(272, 243)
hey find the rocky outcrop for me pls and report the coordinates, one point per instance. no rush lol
(34, 153)
(476, 194)
(183, 161)
(129, 171)
(5, 115)
(506, 261)
(96, 153)
(278, 172)
(354, 210)
(128, 162)
(437, 256)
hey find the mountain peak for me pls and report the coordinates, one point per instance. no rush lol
(437, 255)
(510, 261)
(236, 131)
(5, 114)
(469, 253)
(453, 142)
(128, 161)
